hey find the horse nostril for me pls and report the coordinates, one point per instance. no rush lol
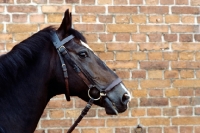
(125, 98)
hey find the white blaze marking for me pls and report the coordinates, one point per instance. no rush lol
(86, 45)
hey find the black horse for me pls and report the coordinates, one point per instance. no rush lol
(31, 74)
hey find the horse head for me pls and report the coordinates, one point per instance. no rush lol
(88, 77)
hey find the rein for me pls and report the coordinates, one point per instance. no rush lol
(63, 54)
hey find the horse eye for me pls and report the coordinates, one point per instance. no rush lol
(83, 54)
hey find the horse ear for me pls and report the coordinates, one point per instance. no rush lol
(66, 23)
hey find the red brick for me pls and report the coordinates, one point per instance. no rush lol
(23, 1)
(152, 2)
(185, 10)
(105, 18)
(122, 9)
(186, 38)
(188, 129)
(121, 122)
(139, 37)
(153, 46)
(138, 74)
(40, 1)
(123, 37)
(37, 18)
(89, 2)
(154, 130)
(155, 37)
(181, 2)
(89, 27)
(106, 37)
(123, 19)
(120, 2)
(188, 19)
(187, 74)
(90, 9)
(197, 37)
(180, 102)
(55, 123)
(153, 28)
(156, 93)
(171, 74)
(121, 28)
(185, 111)
(155, 121)
(138, 112)
(121, 46)
(195, 2)
(7, 1)
(170, 56)
(136, 2)
(19, 18)
(55, 9)
(4, 18)
(186, 121)
(170, 37)
(146, 84)
(72, 1)
(186, 46)
(24, 9)
(169, 111)
(154, 102)
(154, 9)
(171, 129)
(121, 64)
(156, 19)
(166, 2)
(154, 112)
(154, 65)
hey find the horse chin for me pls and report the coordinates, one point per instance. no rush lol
(110, 108)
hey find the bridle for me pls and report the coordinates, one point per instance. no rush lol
(63, 54)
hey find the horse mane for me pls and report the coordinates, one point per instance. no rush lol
(23, 54)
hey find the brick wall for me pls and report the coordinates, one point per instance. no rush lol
(152, 44)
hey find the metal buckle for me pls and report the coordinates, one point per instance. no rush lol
(95, 99)
(61, 48)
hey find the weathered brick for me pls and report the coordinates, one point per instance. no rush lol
(153, 46)
(89, 27)
(154, 9)
(186, 56)
(121, 28)
(154, 130)
(19, 28)
(156, 93)
(153, 28)
(152, 2)
(154, 65)
(122, 9)
(21, 36)
(4, 18)
(19, 18)
(169, 111)
(185, 10)
(186, 46)
(123, 56)
(185, 65)
(170, 37)
(167, 2)
(155, 56)
(105, 18)
(155, 121)
(121, 46)
(54, 18)
(23, 1)
(181, 2)
(155, 37)
(171, 74)
(154, 102)
(6, 37)
(139, 93)
(88, 2)
(184, 28)
(139, 19)
(122, 37)
(121, 122)
(146, 84)
(154, 112)
(185, 111)
(138, 37)
(37, 18)
(186, 38)
(90, 9)
(188, 129)
(103, 2)
(187, 74)
(195, 2)
(188, 19)
(172, 18)
(89, 18)
(155, 74)
(171, 129)
(23, 9)
(138, 112)
(7, 1)
(156, 19)
(121, 64)
(56, 114)
(55, 123)
(172, 92)
(55, 9)
(139, 74)
(91, 37)
(186, 121)
(136, 2)
(106, 37)
(105, 130)
(180, 102)
(123, 74)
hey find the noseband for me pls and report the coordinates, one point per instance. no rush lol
(63, 54)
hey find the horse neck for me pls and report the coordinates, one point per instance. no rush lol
(22, 102)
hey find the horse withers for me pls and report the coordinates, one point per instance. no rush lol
(49, 63)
